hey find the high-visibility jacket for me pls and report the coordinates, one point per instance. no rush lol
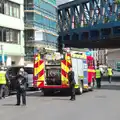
(98, 73)
(2, 77)
(110, 72)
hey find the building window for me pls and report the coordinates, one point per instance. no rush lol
(29, 2)
(10, 8)
(9, 35)
(29, 35)
(0, 35)
(29, 51)
(6, 8)
(18, 11)
(1, 7)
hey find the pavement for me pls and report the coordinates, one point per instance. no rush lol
(100, 104)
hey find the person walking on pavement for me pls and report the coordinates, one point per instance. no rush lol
(110, 73)
(98, 77)
(21, 86)
(2, 82)
(71, 83)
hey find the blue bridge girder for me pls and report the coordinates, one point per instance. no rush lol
(96, 21)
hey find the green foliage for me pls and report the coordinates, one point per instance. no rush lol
(117, 1)
(85, 25)
(106, 19)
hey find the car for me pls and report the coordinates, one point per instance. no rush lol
(29, 70)
(12, 71)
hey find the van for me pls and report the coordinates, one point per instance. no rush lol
(29, 70)
(12, 71)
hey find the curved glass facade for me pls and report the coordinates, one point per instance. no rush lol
(41, 13)
(40, 23)
(45, 21)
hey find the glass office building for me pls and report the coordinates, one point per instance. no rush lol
(40, 25)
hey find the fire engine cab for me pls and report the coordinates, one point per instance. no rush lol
(51, 72)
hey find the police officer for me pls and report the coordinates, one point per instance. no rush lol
(72, 83)
(21, 86)
(98, 77)
(110, 73)
(2, 82)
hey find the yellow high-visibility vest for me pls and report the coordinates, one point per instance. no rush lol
(2, 77)
(110, 71)
(98, 73)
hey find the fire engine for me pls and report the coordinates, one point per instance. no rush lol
(91, 70)
(51, 72)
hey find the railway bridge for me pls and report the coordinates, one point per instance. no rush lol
(89, 24)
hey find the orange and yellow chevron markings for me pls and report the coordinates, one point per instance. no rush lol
(41, 74)
(64, 72)
(38, 71)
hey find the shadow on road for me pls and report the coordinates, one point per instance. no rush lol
(40, 94)
(114, 78)
(60, 99)
(34, 94)
(111, 87)
(8, 105)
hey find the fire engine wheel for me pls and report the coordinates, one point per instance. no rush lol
(80, 89)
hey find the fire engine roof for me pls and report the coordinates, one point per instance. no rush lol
(83, 56)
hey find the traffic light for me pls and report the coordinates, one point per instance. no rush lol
(60, 44)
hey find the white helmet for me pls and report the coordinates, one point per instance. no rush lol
(21, 69)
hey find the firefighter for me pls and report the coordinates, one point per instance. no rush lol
(2, 82)
(110, 73)
(71, 83)
(98, 77)
(21, 86)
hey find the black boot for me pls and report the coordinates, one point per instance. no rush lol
(17, 104)
(74, 97)
(71, 98)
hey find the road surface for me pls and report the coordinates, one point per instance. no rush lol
(116, 77)
(103, 104)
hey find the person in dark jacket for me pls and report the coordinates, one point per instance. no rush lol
(71, 83)
(21, 86)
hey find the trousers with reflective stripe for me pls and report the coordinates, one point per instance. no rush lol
(98, 73)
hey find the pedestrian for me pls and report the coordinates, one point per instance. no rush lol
(98, 77)
(2, 82)
(21, 86)
(110, 73)
(71, 83)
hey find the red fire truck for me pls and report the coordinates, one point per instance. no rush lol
(51, 75)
